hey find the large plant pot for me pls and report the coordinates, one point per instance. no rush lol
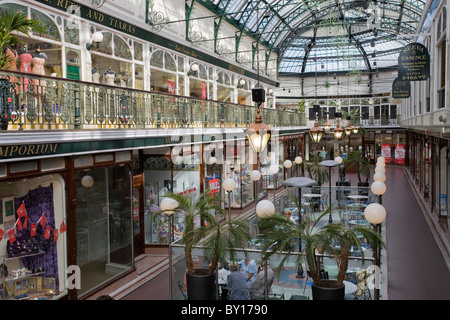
(201, 286)
(328, 293)
(364, 188)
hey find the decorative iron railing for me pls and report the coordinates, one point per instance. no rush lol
(32, 102)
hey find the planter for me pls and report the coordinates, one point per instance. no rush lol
(329, 292)
(364, 188)
(201, 286)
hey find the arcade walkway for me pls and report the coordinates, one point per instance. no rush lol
(414, 267)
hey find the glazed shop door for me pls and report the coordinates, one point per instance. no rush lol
(138, 214)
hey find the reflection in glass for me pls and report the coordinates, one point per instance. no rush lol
(103, 225)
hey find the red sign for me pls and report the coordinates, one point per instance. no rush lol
(214, 185)
(399, 153)
(203, 90)
(386, 152)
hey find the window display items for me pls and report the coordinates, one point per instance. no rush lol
(12, 58)
(25, 58)
(95, 75)
(37, 65)
(110, 77)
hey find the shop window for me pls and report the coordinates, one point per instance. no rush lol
(138, 51)
(169, 62)
(181, 86)
(121, 48)
(203, 74)
(71, 32)
(157, 59)
(180, 64)
(51, 29)
(103, 224)
(139, 78)
(43, 261)
(73, 64)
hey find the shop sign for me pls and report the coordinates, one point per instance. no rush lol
(399, 153)
(73, 72)
(27, 150)
(214, 185)
(414, 62)
(386, 152)
(401, 89)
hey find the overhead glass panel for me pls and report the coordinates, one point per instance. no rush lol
(314, 36)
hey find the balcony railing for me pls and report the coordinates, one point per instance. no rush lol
(31, 102)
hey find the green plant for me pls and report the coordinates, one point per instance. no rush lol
(334, 239)
(317, 172)
(217, 235)
(10, 24)
(361, 165)
(302, 106)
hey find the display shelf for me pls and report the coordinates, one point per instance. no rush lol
(15, 279)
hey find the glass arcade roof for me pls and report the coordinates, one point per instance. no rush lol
(331, 36)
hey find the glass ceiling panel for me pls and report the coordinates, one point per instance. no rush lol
(333, 35)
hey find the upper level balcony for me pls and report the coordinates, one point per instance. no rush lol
(33, 102)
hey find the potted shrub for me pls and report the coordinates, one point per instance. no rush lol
(334, 239)
(216, 235)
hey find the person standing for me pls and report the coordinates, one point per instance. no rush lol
(249, 269)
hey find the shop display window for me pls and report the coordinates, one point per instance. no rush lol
(32, 255)
(158, 182)
(103, 224)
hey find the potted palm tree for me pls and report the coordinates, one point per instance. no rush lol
(11, 24)
(361, 165)
(216, 235)
(334, 239)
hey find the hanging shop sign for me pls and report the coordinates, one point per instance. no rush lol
(401, 89)
(414, 62)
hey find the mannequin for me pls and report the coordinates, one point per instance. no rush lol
(11, 63)
(109, 77)
(95, 75)
(25, 65)
(38, 62)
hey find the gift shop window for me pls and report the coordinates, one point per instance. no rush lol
(33, 229)
(103, 224)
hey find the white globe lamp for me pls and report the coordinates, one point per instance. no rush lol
(378, 188)
(338, 159)
(288, 164)
(298, 160)
(228, 184)
(265, 209)
(168, 205)
(87, 181)
(375, 213)
(255, 175)
(379, 176)
(274, 169)
(380, 169)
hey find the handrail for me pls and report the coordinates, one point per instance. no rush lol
(31, 101)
